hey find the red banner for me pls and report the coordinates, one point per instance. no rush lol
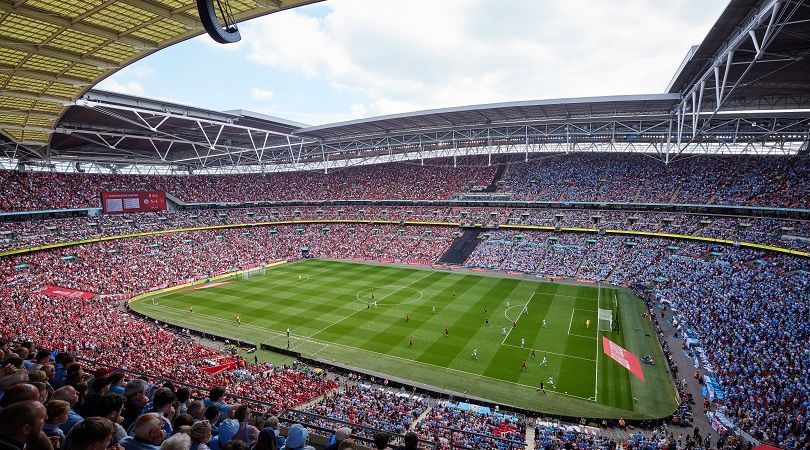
(57, 291)
(116, 202)
(626, 359)
(220, 364)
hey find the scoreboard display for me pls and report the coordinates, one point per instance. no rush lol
(117, 202)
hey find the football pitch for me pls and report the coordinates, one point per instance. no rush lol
(329, 308)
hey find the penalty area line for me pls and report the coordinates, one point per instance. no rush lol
(551, 353)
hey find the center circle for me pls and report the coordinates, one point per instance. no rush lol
(382, 295)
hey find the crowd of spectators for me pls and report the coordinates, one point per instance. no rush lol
(137, 264)
(453, 423)
(751, 319)
(728, 295)
(27, 191)
(138, 412)
(778, 232)
(549, 435)
(390, 411)
(748, 308)
(722, 180)
(366, 409)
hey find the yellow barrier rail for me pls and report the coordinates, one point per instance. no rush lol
(753, 245)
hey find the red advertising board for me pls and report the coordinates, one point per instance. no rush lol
(626, 359)
(56, 291)
(116, 202)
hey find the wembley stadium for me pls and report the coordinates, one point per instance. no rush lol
(571, 273)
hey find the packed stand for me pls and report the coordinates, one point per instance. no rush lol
(29, 191)
(723, 180)
(120, 411)
(391, 411)
(747, 310)
(549, 435)
(777, 232)
(492, 430)
(606, 177)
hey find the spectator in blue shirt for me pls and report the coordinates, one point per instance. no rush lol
(70, 395)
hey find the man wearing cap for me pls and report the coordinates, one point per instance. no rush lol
(227, 430)
(341, 434)
(297, 437)
(102, 372)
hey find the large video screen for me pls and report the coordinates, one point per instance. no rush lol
(117, 202)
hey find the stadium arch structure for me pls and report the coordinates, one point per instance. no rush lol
(53, 51)
(743, 90)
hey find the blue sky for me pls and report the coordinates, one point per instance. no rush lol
(346, 59)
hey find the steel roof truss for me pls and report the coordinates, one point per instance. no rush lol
(776, 17)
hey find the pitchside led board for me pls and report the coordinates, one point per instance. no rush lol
(117, 202)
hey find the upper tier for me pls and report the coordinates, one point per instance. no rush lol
(723, 180)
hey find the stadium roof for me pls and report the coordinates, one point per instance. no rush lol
(754, 57)
(52, 51)
(118, 128)
(114, 130)
(513, 113)
(743, 89)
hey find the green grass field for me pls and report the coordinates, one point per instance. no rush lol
(325, 304)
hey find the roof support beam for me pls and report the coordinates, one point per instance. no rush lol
(44, 51)
(62, 22)
(166, 13)
(16, 126)
(100, 105)
(37, 115)
(29, 96)
(269, 4)
(45, 76)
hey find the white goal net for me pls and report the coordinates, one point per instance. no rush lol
(605, 320)
(247, 274)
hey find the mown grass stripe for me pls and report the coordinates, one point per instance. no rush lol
(325, 305)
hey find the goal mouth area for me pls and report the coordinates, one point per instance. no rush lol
(605, 319)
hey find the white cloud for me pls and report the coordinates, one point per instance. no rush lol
(127, 87)
(358, 110)
(140, 70)
(128, 80)
(261, 94)
(399, 56)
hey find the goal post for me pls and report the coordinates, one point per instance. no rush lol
(605, 320)
(247, 274)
